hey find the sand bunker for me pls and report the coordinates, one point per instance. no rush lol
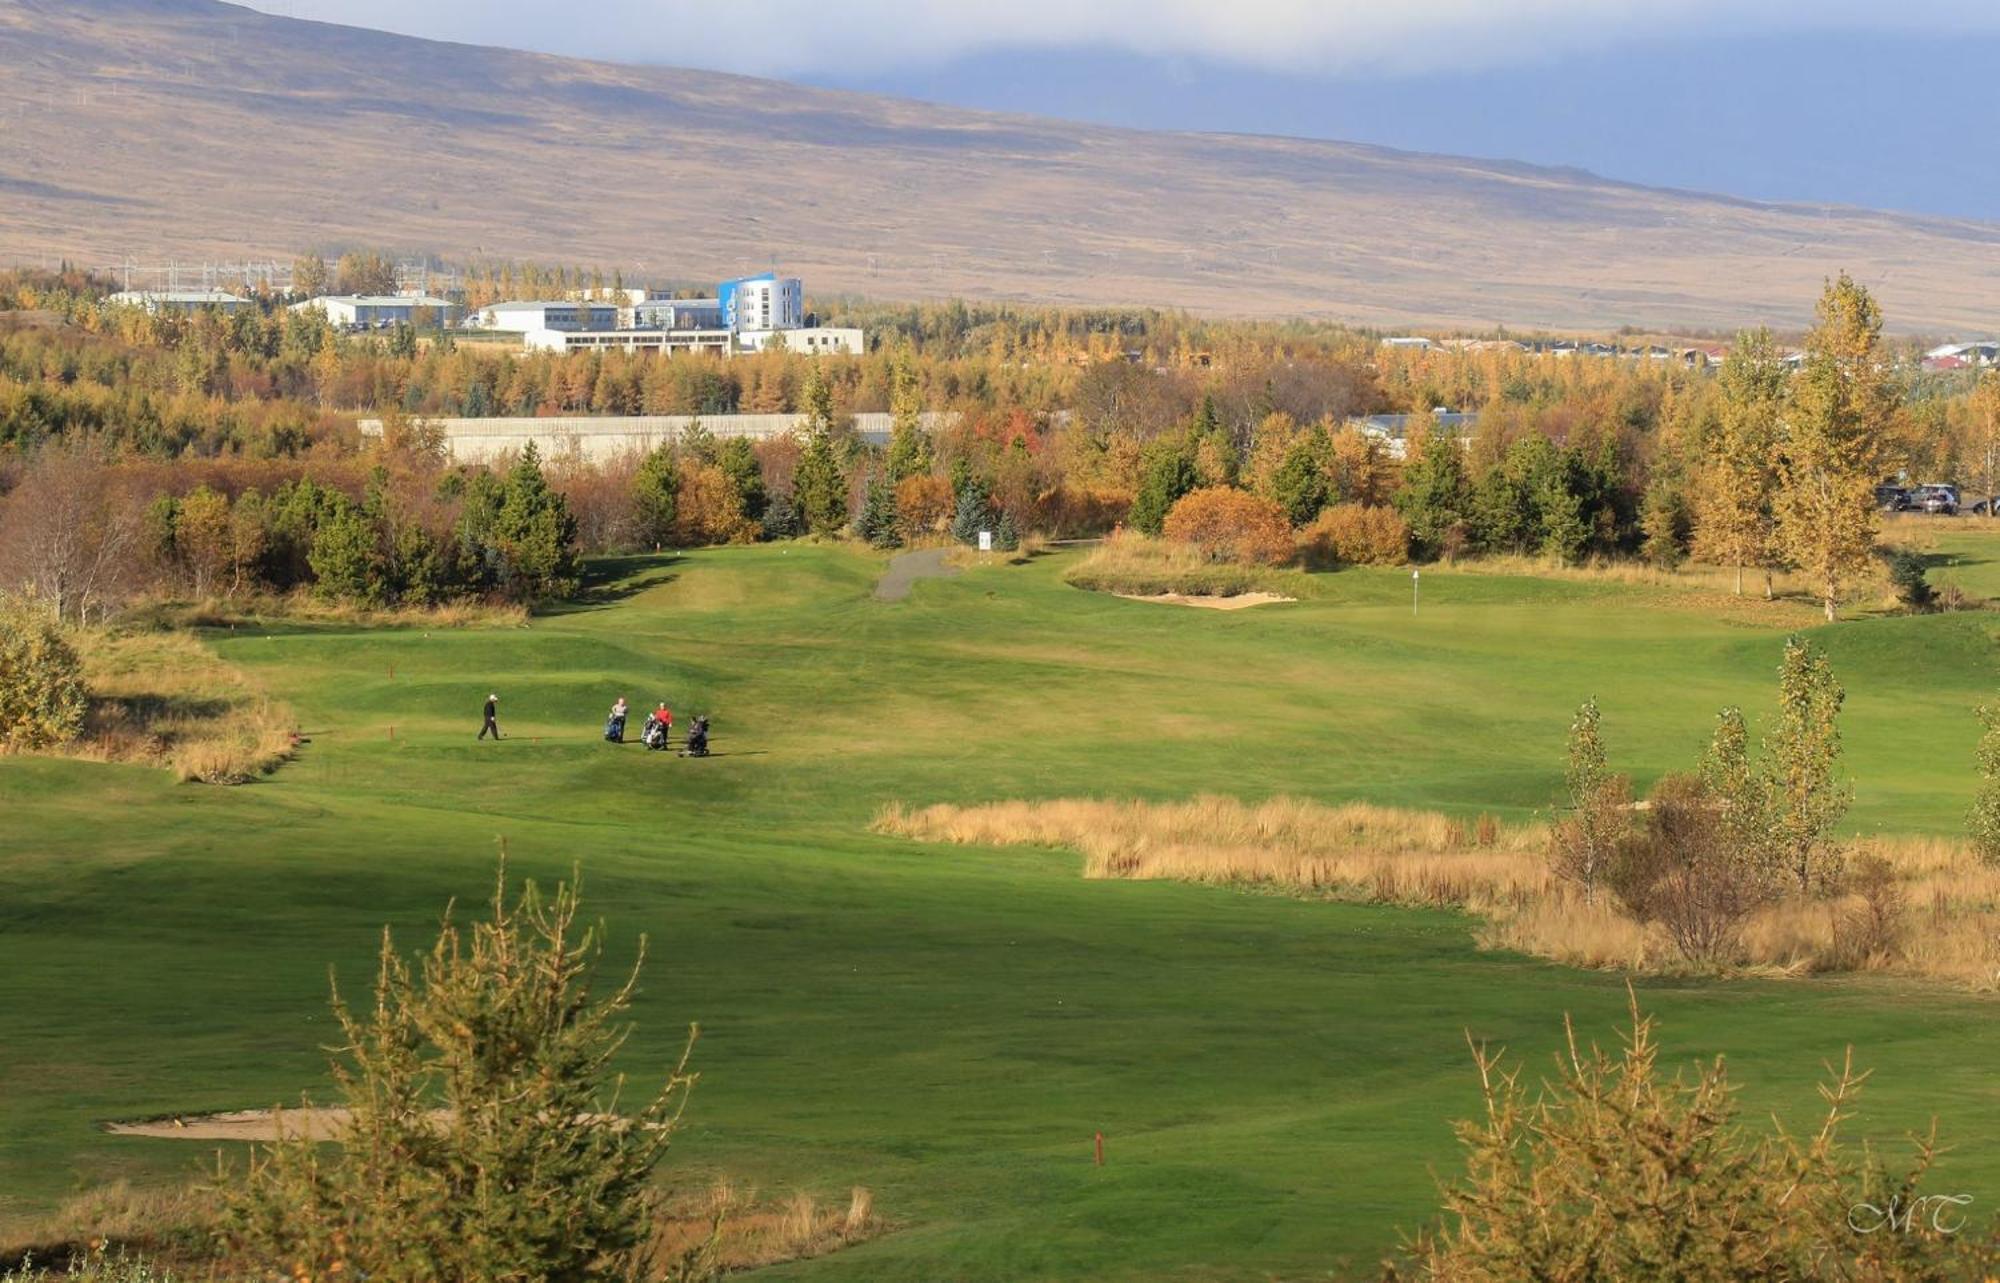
(1238, 602)
(240, 1124)
(271, 1124)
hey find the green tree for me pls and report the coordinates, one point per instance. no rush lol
(486, 1137)
(1435, 496)
(656, 489)
(346, 558)
(974, 512)
(1166, 473)
(738, 462)
(42, 695)
(1301, 484)
(1807, 798)
(535, 534)
(819, 483)
(877, 523)
(1729, 777)
(1841, 401)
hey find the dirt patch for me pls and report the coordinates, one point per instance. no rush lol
(906, 568)
(1239, 601)
(240, 1124)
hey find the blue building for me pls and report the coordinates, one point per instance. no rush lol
(762, 303)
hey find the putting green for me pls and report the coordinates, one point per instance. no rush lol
(1275, 1079)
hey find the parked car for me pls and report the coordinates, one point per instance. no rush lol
(1892, 498)
(1938, 500)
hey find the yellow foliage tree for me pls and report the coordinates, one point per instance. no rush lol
(1826, 450)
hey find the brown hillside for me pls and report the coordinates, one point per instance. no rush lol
(196, 129)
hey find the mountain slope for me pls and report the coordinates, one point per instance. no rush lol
(198, 129)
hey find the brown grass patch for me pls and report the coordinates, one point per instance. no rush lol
(302, 607)
(1944, 924)
(1132, 565)
(165, 699)
(721, 1228)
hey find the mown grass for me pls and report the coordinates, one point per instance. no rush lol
(951, 1026)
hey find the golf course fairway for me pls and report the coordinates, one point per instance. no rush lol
(1275, 1078)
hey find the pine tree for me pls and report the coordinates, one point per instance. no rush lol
(819, 484)
(1840, 400)
(1435, 494)
(877, 523)
(656, 488)
(973, 514)
(1166, 473)
(1983, 822)
(1300, 485)
(738, 462)
(346, 559)
(535, 534)
(1006, 536)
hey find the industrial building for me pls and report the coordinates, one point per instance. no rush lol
(380, 311)
(813, 340)
(748, 314)
(179, 302)
(665, 341)
(557, 314)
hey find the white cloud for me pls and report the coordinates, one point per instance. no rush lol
(770, 37)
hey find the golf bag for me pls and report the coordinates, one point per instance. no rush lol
(697, 745)
(654, 736)
(614, 730)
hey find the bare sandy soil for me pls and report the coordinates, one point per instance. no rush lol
(240, 1124)
(1239, 602)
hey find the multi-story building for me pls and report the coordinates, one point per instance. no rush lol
(766, 302)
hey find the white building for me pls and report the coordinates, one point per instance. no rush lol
(554, 314)
(180, 302)
(673, 314)
(813, 340)
(380, 311)
(717, 341)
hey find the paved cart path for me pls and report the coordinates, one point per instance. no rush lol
(906, 568)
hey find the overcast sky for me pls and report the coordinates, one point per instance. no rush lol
(1849, 101)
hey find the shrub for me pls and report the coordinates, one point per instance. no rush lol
(923, 504)
(42, 696)
(482, 1143)
(1613, 1172)
(1133, 564)
(1683, 872)
(1230, 525)
(1908, 575)
(1351, 535)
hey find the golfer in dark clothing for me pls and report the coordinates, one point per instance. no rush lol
(492, 715)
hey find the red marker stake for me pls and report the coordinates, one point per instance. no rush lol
(1100, 1149)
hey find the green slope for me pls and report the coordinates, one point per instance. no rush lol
(1276, 1079)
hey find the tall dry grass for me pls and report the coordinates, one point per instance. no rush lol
(724, 1229)
(1352, 851)
(302, 607)
(1138, 566)
(1939, 917)
(165, 699)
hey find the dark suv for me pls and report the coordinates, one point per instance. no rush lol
(1893, 498)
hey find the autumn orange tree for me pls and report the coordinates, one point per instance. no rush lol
(1231, 525)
